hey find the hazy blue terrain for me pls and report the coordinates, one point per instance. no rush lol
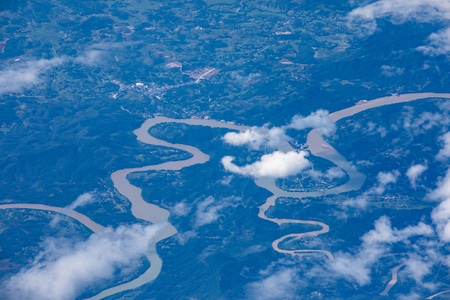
(77, 77)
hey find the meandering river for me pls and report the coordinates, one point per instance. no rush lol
(157, 215)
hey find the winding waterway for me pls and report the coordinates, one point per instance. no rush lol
(157, 215)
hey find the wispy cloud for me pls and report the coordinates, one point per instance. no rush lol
(390, 71)
(275, 165)
(205, 211)
(63, 270)
(383, 180)
(444, 152)
(181, 209)
(441, 214)
(364, 19)
(90, 57)
(414, 172)
(376, 243)
(425, 121)
(275, 137)
(280, 285)
(283, 162)
(208, 209)
(438, 43)
(330, 174)
(22, 75)
(318, 120)
(257, 137)
(442, 191)
(82, 200)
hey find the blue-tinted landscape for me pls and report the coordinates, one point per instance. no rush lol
(224, 149)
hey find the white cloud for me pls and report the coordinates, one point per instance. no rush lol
(390, 71)
(334, 172)
(82, 200)
(400, 11)
(414, 172)
(364, 19)
(410, 296)
(441, 214)
(257, 137)
(376, 243)
(181, 209)
(64, 271)
(281, 285)
(428, 120)
(444, 153)
(418, 267)
(384, 233)
(184, 237)
(208, 209)
(438, 43)
(276, 165)
(90, 57)
(20, 76)
(441, 218)
(442, 190)
(383, 180)
(318, 120)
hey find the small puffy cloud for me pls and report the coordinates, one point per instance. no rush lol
(424, 121)
(275, 165)
(331, 174)
(64, 271)
(414, 172)
(318, 120)
(257, 137)
(384, 178)
(82, 200)
(21, 76)
(184, 237)
(335, 172)
(181, 209)
(444, 153)
(280, 285)
(358, 202)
